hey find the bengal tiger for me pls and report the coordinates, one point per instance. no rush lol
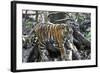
(56, 32)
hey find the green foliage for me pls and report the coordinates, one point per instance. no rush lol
(28, 24)
(88, 36)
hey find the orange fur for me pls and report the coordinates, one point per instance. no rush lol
(53, 32)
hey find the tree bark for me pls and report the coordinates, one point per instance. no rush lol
(80, 41)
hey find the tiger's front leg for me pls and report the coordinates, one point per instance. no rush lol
(62, 51)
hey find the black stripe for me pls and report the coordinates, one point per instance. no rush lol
(96, 36)
(13, 36)
(55, 4)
